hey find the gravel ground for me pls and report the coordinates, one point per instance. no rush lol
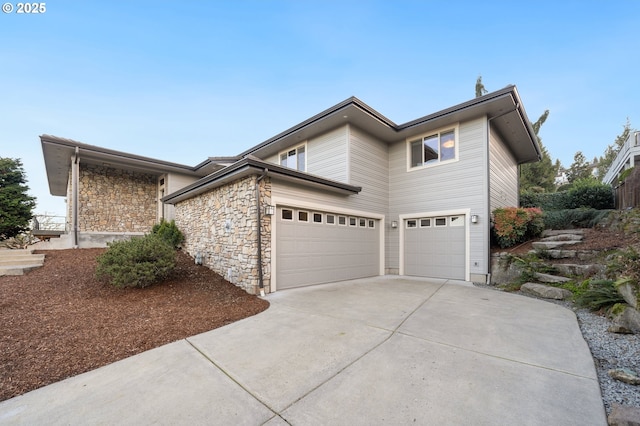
(609, 351)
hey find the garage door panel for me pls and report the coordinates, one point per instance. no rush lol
(436, 251)
(311, 253)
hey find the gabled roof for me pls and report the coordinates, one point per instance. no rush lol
(503, 107)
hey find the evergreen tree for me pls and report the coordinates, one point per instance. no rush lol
(579, 169)
(539, 176)
(611, 151)
(480, 90)
(16, 206)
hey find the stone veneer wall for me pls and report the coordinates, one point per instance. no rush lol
(115, 200)
(221, 226)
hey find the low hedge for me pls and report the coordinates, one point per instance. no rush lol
(138, 262)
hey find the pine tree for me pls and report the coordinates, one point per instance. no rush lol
(16, 206)
(579, 169)
(539, 176)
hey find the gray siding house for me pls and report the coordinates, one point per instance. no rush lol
(345, 194)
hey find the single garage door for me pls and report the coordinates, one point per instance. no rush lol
(435, 247)
(314, 247)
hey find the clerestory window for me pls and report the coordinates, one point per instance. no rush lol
(295, 158)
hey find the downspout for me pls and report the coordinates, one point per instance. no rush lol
(489, 183)
(259, 216)
(75, 172)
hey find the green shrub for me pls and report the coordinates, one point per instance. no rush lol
(599, 294)
(545, 201)
(583, 193)
(513, 225)
(169, 232)
(138, 262)
(574, 218)
(590, 193)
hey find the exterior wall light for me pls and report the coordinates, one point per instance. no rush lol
(394, 224)
(269, 210)
(474, 218)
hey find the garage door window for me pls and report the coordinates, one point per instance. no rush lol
(412, 223)
(287, 214)
(441, 221)
(303, 216)
(456, 220)
(331, 219)
(353, 221)
(342, 220)
(317, 218)
(425, 223)
(372, 223)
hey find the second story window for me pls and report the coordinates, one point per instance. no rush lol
(433, 149)
(294, 158)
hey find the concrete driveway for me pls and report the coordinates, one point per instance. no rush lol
(383, 350)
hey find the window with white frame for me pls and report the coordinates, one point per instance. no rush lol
(432, 149)
(295, 158)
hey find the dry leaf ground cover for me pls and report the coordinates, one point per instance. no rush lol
(59, 321)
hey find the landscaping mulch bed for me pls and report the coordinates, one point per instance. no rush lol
(59, 320)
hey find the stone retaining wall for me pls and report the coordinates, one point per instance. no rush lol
(221, 226)
(115, 200)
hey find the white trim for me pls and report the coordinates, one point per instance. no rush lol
(337, 211)
(456, 137)
(467, 234)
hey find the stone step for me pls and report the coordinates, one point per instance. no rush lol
(558, 254)
(18, 260)
(551, 245)
(551, 279)
(14, 252)
(17, 270)
(546, 291)
(575, 269)
(552, 232)
(563, 237)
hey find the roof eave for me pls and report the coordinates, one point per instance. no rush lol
(250, 166)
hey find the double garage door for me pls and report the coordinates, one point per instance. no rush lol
(314, 247)
(435, 247)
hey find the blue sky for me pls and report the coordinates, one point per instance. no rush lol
(184, 80)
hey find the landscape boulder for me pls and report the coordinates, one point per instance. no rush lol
(546, 291)
(630, 292)
(623, 315)
(624, 415)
